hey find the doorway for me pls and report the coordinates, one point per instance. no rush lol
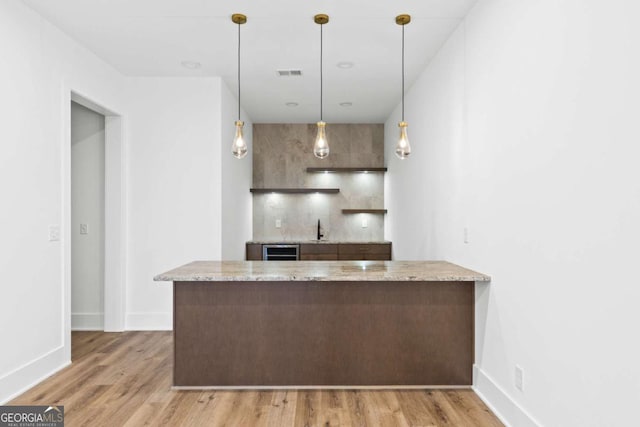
(87, 218)
(94, 240)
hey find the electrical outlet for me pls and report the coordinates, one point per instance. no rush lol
(519, 378)
(364, 223)
(54, 233)
(278, 223)
(84, 228)
(466, 234)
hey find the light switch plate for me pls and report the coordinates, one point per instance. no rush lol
(278, 223)
(364, 223)
(519, 379)
(54, 233)
(84, 228)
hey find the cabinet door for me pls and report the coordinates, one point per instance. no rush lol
(318, 252)
(254, 252)
(364, 251)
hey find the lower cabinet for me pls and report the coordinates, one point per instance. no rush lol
(254, 252)
(364, 251)
(318, 252)
(332, 252)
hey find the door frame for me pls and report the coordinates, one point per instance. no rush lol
(114, 215)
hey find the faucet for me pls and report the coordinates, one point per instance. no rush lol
(319, 235)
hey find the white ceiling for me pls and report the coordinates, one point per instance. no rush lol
(153, 37)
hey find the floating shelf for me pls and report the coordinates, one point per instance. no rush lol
(296, 190)
(359, 169)
(357, 211)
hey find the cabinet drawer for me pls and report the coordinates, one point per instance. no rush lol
(318, 248)
(364, 251)
(364, 248)
(319, 257)
(318, 252)
(364, 257)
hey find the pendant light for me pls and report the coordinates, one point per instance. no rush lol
(239, 147)
(403, 148)
(321, 146)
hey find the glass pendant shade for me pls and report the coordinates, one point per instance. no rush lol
(403, 148)
(321, 146)
(239, 147)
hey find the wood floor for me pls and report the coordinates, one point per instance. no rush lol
(124, 379)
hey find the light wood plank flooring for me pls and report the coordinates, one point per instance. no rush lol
(124, 379)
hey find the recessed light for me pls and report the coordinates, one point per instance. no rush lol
(192, 65)
(346, 104)
(344, 65)
(291, 104)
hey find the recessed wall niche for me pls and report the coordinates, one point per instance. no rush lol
(281, 155)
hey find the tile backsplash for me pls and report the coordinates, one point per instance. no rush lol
(283, 152)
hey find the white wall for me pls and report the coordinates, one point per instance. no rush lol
(87, 207)
(40, 67)
(435, 113)
(174, 190)
(524, 129)
(237, 202)
(188, 197)
(172, 142)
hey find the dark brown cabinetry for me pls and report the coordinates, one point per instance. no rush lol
(318, 252)
(332, 251)
(364, 251)
(254, 252)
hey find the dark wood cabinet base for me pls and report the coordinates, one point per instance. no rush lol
(252, 334)
(331, 251)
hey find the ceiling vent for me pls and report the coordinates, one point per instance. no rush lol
(289, 73)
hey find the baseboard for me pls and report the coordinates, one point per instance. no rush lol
(87, 321)
(28, 375)
(501, 404)
(149, 322)
(322, 387)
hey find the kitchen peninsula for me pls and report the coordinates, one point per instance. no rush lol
(329, 324)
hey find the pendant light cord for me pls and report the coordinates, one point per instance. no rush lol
(403, 73)
(321, 72)
(238, 72)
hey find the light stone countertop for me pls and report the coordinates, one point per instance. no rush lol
(327, 271)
